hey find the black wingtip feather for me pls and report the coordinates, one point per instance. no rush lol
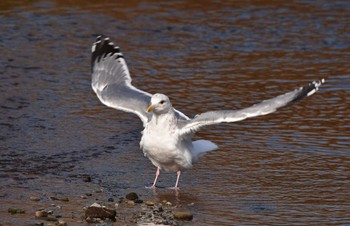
(102, 47)
(308, 90)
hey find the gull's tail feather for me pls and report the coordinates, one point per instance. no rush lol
(200, 147)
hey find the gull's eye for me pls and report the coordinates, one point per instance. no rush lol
(162, 102)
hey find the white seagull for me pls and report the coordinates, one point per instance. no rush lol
(167, 135)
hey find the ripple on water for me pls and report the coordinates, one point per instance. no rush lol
(290, 167)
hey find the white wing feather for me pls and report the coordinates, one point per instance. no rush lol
(263, 108)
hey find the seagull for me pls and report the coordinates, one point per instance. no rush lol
(167, 135)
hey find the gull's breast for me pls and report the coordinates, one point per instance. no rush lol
(165, 150)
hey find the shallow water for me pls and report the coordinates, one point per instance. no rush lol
(291, 167)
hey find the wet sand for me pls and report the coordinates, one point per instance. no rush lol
(70, 208)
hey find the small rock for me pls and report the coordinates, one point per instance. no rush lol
(15, 211)
(87, 179)
(35, 199)
(132, 196)
(168, 203)
(61, 223)
(138, 201)
(110, 200)
(51, 211)
(149, 203)
(98, 211)
(64, 199)
(99, 191)
(130, 202)
(41, 213)
(183, 215)
(50, 218)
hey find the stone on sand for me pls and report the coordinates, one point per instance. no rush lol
(183, 215)
(98, 211)
(132, 196)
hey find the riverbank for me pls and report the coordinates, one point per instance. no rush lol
(87, 203)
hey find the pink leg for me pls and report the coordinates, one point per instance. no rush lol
(155, 179)
(177, 179)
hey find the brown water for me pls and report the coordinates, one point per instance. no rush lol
(291, 167)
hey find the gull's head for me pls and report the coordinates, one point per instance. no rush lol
(160, 104)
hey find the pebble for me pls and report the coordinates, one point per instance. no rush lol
(41, 213)
(99, 191)
(34, 198)
(98, 211)
(61, 223)
(15, 211)
(132, 196)
(64, 199)
(149, 203)
(138, 201)
(87, 179)
(183, 215)
(51, 211)
(130, 202)
(50, 218)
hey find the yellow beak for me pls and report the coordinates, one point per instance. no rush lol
(150, 108)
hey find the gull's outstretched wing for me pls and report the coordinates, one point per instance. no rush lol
(263, 108)
(111, 81)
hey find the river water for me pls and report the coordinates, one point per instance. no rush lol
(291, 167)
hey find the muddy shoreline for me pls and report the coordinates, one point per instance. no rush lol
(57, 208)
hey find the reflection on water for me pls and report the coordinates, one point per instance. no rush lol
(289, 167)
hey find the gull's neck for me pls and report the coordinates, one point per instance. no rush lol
(164, 118)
